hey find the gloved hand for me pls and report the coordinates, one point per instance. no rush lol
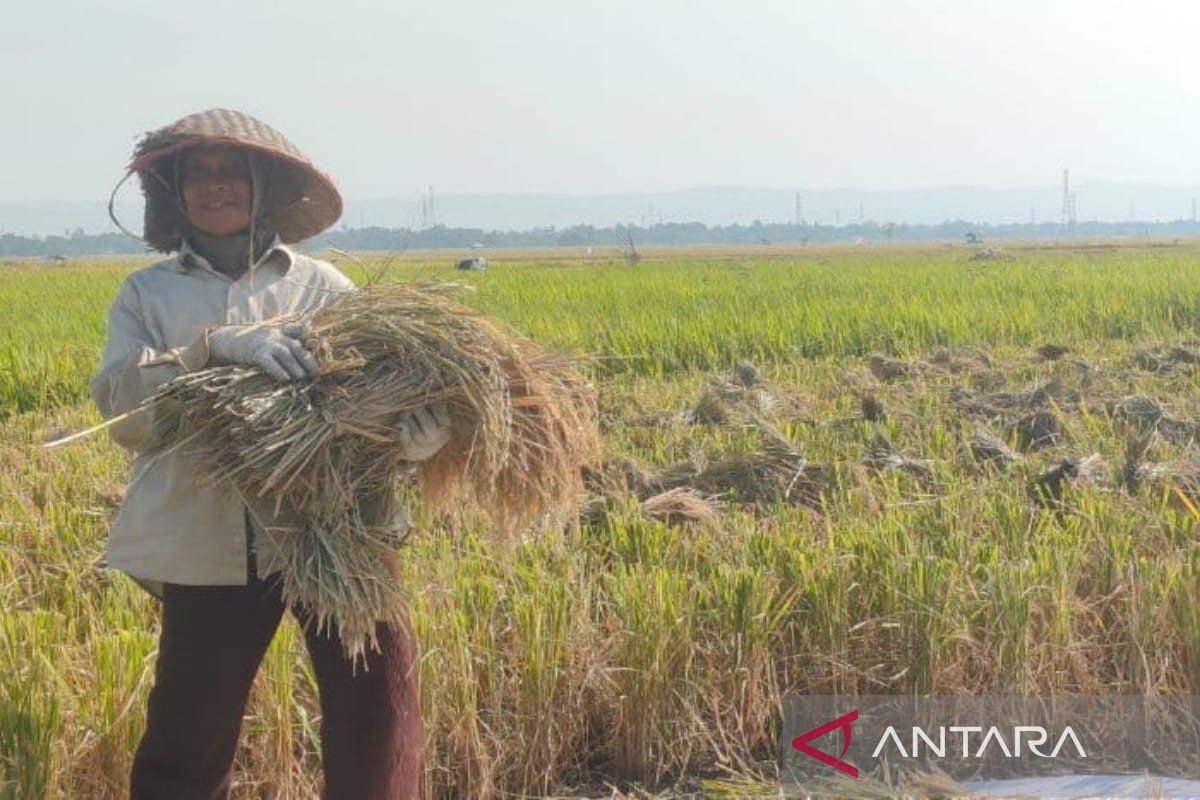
(380, 509)
(422, 433)
(276, 351)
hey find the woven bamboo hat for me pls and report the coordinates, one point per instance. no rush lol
(298, 200)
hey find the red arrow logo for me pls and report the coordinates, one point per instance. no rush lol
(842, 723)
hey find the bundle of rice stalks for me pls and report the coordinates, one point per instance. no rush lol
(975, 405)
(872, 409)
(1138, 411)
(987, 448)
(740, 397)
(710, 409)
(1151, 361)
(1052, 352)
(745, 375)
(1185, 355)
(888, 369)
(1049, 487)
(523, 420)
(1179, 357)
(883, 456)
(1054, 391)
(683, 507)
(1178, 481)
(1037, 429)
(956, 361)
(1000, 404)
(774, 473)
(1146, 416)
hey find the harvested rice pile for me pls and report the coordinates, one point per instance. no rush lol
(524, 425)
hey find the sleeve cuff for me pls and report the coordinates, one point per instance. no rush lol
(191, 358)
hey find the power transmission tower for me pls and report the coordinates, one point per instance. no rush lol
(1193, 211)
(1068, 201)
(1066, 198)
(799, 211)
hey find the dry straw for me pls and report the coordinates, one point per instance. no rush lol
(323, 451)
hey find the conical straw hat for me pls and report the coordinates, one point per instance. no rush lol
(298, 200)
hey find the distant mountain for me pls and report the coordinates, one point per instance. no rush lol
(63, 217)
(1105, 202)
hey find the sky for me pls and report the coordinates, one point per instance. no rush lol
(558, 96)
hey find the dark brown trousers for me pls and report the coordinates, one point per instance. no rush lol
(213, 639)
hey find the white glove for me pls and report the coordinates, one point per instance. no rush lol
(422, 433)
(276, 351)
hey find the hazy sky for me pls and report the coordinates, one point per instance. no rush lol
(617, 95)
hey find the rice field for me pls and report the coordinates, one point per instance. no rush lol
(647, 649)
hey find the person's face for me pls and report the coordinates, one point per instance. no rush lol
(216, 189)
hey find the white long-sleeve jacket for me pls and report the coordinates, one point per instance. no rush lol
(171, 526)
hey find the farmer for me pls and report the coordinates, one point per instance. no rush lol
(225, 194)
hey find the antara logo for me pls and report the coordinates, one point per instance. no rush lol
(1033, 737)
(842, 723)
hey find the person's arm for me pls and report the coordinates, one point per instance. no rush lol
(333, 284)
(133, 368)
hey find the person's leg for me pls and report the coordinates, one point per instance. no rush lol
(370, 719)
(213, 639)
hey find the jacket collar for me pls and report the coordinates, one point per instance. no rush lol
(187, 257)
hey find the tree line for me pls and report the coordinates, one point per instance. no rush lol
(79, 243)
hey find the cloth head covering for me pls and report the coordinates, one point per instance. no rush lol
(294, 199)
